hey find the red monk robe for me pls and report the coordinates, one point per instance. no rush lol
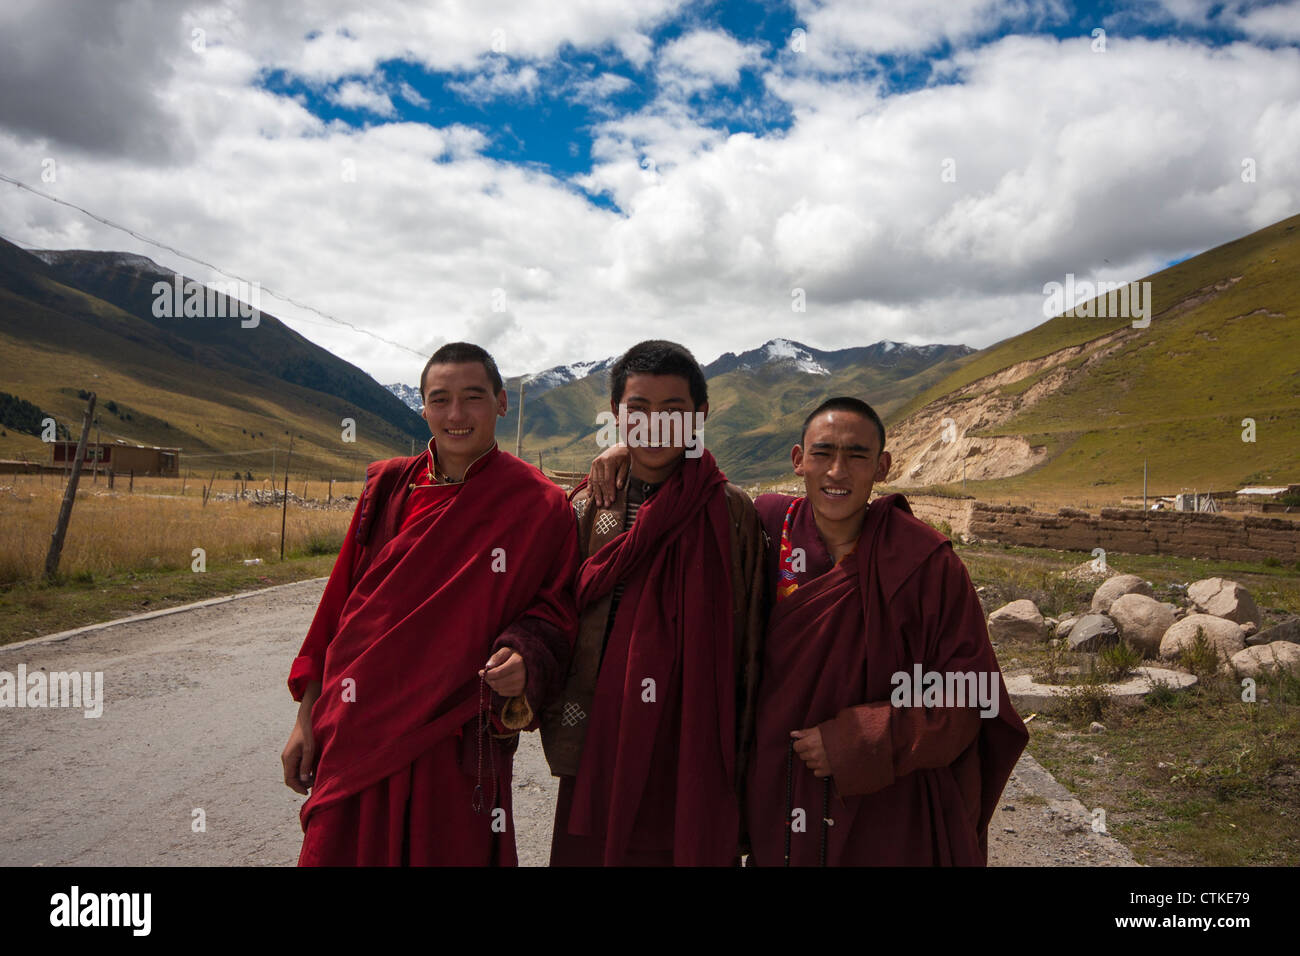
(911, 785)
(431, 580)
(656, 781)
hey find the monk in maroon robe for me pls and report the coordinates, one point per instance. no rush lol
(650, 733)
(444, 629)
(869, 601)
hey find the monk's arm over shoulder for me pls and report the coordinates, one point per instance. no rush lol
(871, 745)
(309, 665)
(544, 634)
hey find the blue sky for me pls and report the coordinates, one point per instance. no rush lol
(550, 128)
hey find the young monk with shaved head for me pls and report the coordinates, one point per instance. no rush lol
(444, 630)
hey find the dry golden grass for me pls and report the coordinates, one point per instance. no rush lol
(155, 527)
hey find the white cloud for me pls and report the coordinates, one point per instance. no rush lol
(411, 95)
(498, 81)
(839, 34)
(1279, 22)
(1064, 159)
(440, 35)
(705, 58)
(362, 96)
(599, 88)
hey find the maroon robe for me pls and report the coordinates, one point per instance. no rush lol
(911, 785)
(655, 785)
(430, 581)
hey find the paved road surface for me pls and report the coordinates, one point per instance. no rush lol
(195, 715)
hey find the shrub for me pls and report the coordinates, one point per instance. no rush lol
(1085, 703)
(1202, 658)
(1117, 661)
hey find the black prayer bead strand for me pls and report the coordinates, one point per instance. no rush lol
(789, 798)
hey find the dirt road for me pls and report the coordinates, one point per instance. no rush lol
(195, 715)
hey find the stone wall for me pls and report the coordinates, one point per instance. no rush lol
(1252, 538)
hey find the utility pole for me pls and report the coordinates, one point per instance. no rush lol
(284, 511)
(69, 495)
(519, 431)
(1144, 484)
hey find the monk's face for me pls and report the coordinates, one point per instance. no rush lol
(840, 460)
(461, 410)
(657, 393)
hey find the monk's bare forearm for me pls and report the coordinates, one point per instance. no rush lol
(310, 694)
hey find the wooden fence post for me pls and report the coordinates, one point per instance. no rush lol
(284, 511)
(69, 496)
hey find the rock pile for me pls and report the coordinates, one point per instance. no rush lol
(1124, 607)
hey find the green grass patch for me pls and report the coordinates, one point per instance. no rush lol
(1190, 778)
(34, 610)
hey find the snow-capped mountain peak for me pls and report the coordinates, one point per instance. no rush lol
(783, 350)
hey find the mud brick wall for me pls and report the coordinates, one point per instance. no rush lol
(1187, 534)
(934, 509)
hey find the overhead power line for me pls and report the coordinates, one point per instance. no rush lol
(217, 269)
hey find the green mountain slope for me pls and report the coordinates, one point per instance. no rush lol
(1100, 397)
(754, 411)
(171, 389)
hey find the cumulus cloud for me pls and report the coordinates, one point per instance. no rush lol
(362, 96)
(90, 77)
(838, 33)
(934, 215)
(703, 59)
(498, 81)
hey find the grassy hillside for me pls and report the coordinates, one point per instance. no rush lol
(1221, 348)
(56, 341)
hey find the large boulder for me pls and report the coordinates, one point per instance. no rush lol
(1223, 598)
(1288, 630)
(1224, 636)
(1252, 661)
(1092, 632)
(1116, 587)
(1142, 621)
(1017, 621)
(1063, 628)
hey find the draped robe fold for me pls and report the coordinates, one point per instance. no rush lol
(911, 785)
(655, 784)
(429, 582)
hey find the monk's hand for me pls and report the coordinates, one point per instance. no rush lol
(808, 745)
(505, 672)
(299, 756)
(608, 474)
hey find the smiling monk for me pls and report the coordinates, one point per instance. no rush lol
(650, 734)
(865, 591)
(444, 629)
